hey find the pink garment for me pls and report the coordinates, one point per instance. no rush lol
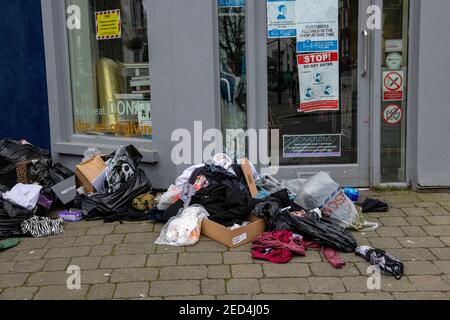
(280, 247)
(277, 247)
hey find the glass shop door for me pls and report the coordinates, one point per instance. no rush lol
(319, 88)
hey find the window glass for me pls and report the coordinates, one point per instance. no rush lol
(394, 106)
(323, 135)
(233, 75)
(109, 65)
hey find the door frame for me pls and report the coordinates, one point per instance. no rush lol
(361, 174)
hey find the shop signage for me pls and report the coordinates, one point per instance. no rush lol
(281, 21)
(108, 24)
(319, 81)
(395, 45)
(317, 25)
(394, 61)
(312, 146)
(231, 3)
(393, 85)
(393, 114)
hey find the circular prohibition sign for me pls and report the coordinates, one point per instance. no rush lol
(393, 114)
(393, 81)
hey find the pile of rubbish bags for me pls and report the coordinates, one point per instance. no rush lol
(299, 214)
(27, 174)
(229, 198)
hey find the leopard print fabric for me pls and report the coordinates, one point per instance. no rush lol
(22, 172)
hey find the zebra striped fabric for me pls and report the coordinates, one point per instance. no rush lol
(40, 227)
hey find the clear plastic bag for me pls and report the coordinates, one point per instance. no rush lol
(90, 154)
(324, 193)
(185, 228)
(170, 197)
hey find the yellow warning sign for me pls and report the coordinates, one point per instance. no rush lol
(108, 25)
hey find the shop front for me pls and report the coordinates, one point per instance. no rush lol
(329, 79)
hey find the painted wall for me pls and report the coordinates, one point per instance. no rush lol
(433, 143)
(23, 84)
(182, 64)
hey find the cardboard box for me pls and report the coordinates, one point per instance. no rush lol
(248, 173)
(89, 171)
(233, 238)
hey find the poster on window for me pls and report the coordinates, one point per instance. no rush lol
(108, 25)
(312, 146)
(317, 25)
(281, 21)
(319, 82)
(231, 3)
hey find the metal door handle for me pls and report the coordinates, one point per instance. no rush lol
(365, 37)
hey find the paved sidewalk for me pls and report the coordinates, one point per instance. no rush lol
(121, 262)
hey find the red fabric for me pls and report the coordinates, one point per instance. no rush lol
(281, 244)
(280, 247)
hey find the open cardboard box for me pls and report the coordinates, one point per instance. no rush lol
(233, 238)
(243, 235)
(89, 173)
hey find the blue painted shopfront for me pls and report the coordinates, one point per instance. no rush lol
(23, 85)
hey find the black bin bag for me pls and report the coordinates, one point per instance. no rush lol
(48, 174)
(13, 152)
(11, 218)
(101, 205)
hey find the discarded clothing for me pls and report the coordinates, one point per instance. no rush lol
(384, 261)
(8, 244)
(280, 247)
(374, 205)
(276, 211)
(224, 205)
(40, 227)
(217, 175)
(277, 247)
(24, 195)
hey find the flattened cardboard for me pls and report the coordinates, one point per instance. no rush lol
(248, 173)
(233, 238)
(66, 191)
(88, 172)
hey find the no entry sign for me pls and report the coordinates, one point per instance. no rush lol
(393, 84)
(393, 114)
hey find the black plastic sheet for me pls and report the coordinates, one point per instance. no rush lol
(276, 211)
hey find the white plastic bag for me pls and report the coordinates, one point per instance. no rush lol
(170, 197)
(185, 228)
(24, 195)
(324, 193)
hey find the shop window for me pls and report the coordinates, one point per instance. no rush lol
(394, 100)
(109, 69)
(233, 76)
